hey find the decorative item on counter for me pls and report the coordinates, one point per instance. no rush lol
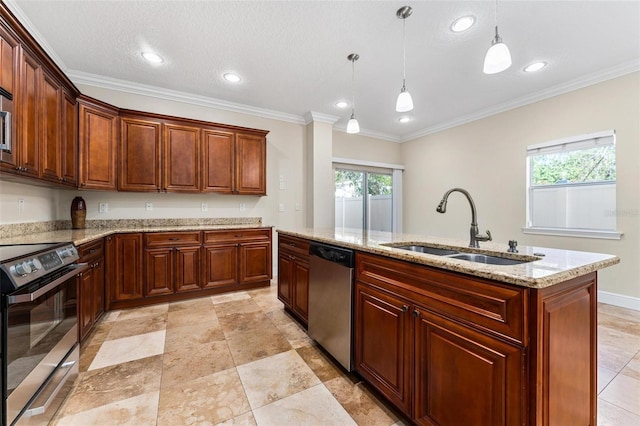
(78, 213)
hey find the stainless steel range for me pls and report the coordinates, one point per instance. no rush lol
(39, 329)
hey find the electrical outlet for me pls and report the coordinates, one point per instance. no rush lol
(281, 182)
(297, 207)
(103, 207)
(281, 207)
(243, 207)
(148, 206)
(20, 205)
(204, 207)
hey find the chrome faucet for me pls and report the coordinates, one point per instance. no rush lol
(474, 232)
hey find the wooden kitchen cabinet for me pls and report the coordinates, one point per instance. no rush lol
(218, 154)
(293, 276)
(69, 166)
(172, 262)
(98, 123)
(9, 72)
(251, 164)
(91, 299)
(124, 265)
(139, 154)
(50, 108)
(29, 112)
(238, 259)
(181, 167)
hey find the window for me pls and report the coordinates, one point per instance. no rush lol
(571, 186)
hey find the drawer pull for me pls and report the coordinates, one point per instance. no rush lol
(174, 239)
(93, 251)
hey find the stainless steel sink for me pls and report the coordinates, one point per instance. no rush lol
(492, 260)
(426, 249)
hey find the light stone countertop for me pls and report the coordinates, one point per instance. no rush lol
(554, 267)
(82, 236)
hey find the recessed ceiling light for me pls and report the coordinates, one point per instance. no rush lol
(404, 119)
(536, 66)
(342, 104)
(463, 23)
(231, 77)
(154, 58)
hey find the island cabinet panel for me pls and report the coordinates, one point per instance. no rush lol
(464, 377)
(218, 164)
(139, 155)
(125, 266)
(98, 144)
(563, 353)
(293, 276)
(383, 343)
(251, 164)
(181, 158)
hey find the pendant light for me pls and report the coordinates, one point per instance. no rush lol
(498, 57)
(352, 125)
(404, 102)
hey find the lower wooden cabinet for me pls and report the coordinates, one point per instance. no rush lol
(124, 260)
(172, 262)
(91, 301)
(293, 276)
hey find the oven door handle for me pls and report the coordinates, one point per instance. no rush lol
(30, 297)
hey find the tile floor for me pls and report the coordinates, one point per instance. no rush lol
(239, 359)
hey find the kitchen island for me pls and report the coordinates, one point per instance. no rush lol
(450, 341)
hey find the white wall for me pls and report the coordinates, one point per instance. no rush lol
(40, 203)
(487, 157)
(365, 148)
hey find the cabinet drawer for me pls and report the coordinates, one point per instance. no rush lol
(172, 239)
(91, 250)
(487, 305)
(295, 245)
(233, 235)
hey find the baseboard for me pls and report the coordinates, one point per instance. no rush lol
(619, 300)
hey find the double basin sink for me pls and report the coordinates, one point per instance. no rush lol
(455, 254)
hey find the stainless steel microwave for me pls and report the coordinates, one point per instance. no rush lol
(6, 111)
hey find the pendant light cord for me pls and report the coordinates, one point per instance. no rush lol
(404, 52)
(353, 86)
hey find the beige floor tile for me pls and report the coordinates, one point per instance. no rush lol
(604, 377)
(201, 304)
(152, 310)
(111, 316)
(113, 384)
(632, 369)
(180, 338)
(279, 317)
(128, 349)
(295, 334)
(321, 365)
(313, 406)
(246, 419)
(230, 297)
(243, 306)
(87, 354)
(238, 323)
(100, 332)
(276, 377)
(618, 322)
(611, 415)
(207, 400)
(614, 357)
(135, 326)
(140, 410)
(624, 392)
(257, 344)
(190, 317)
(626, 314)
(189, 363)
(361, 405)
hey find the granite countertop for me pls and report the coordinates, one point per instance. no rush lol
(82, 236)
(554, 267)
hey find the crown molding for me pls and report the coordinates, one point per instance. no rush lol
(579, 83)
(371, 134)
(31, 29)
(79, 77)
(320, 117)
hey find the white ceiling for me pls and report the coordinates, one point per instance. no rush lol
(292, 55)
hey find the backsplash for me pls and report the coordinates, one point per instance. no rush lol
(16, 229)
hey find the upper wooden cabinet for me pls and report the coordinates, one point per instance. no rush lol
(218, 161)
(69, 167)
(97, 146)
(181, 158)
(28, 137)
(9, 65)
(139, 155)
(251, 163)
(51, 132)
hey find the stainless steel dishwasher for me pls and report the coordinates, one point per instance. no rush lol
(330, 300)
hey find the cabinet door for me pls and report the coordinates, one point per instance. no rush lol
(9, 72)
(221, 265)
(51, 136)
(383, 344)
(255, 262)
(300, 304)
(187, 274)
(158, 264)
(29, 119)
(85, 303)
(139, 163)
(98, 288)
(69, 167)
(251, 164)
(218, 163)
(464, 377)
(126, 270)
(285, 278)
(181, 158)
(98, 132)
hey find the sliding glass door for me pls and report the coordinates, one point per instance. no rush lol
(363, 200)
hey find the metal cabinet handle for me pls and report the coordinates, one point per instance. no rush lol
(416, 313)
(174, 239)
(93, 250)
(405, 308)
(83, 184)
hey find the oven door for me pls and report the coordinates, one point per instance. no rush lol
(41, 332)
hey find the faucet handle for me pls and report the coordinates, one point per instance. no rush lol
(484, 237)
(513, 244)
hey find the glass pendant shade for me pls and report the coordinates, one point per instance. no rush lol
(498, 57)
(352, 125)
(404, 102)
